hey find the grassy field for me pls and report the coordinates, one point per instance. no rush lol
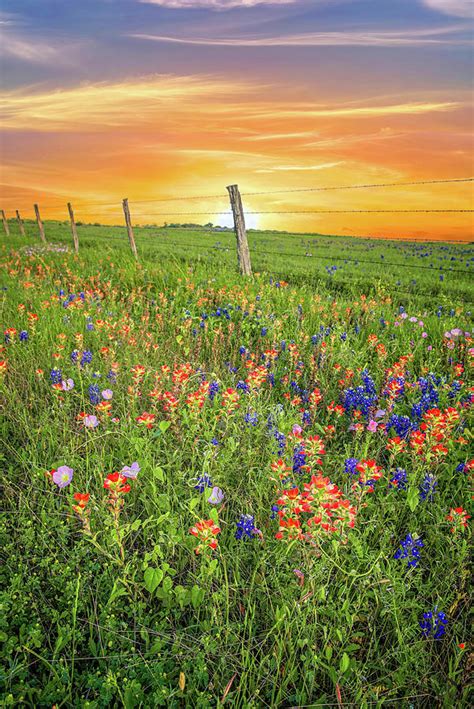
(227, 492)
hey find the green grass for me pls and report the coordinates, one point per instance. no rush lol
(128, 614)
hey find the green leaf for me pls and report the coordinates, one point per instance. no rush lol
(152, 578)
(164, 426)
(197, 596)
(344, 663)
(413, 498)
(160, 474)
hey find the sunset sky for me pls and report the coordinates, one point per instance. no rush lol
(105, 99)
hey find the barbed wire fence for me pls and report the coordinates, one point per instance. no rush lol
(237, 213)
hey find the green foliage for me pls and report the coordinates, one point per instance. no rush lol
(114, 614)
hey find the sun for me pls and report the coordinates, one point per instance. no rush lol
(251, 220)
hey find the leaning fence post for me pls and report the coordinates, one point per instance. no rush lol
(5, 223)
(40, 223)
(128, 222)
(20, 223)
(73, 228)
(243, 254)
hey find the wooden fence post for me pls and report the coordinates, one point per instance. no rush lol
(20, 223)
(128, 222)
(5, 223)
(40, 224)
(243, 254)
(75, 237)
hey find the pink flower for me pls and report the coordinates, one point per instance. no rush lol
(107, 394)
(130, 471)
(372, 427)
(67, 385)
(91, 421)
(216, 496)
(63, 476)
(424, 334)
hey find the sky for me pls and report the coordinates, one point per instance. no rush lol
(156, 99)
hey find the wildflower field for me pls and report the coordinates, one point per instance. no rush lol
(229, 492)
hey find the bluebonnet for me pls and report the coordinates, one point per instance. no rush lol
(23, 336)
(402, 425)
(299, 459)
(242, 386)
(86, 358)
(242, 350)
(409, 549)
(274, 512)
(213, 389)
(428, 487)
(74, 356)
(362, 397)
(245, 527)
(264, 331)
(399, 479)
(90, 326)
(281, 441)
(350, 466)
(112, 376)
(214, 441)
(202, 482)
(94, 394)
(434, 624)
(251, 418)
(343, 336)
(306, 418)
(455, 387)
(56, 376)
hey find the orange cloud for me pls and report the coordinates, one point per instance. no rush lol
(162, 136)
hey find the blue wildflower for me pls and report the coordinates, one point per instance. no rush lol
(399, 479)
(428, 487)
(213, 389)
(350, 466)
(94, 394)
(409, 549)
(434, 624)
(56, 376)
(246, 527)
(86, 358)
(23, 336)
(202, 482)
(251, 418)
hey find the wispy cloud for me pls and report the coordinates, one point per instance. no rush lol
(301, 168)
(355, 38)
(215, 4)
(458, 8)
(107, 105)
(263, 137)
(401, 109)
(172, 103)
(26, 49)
